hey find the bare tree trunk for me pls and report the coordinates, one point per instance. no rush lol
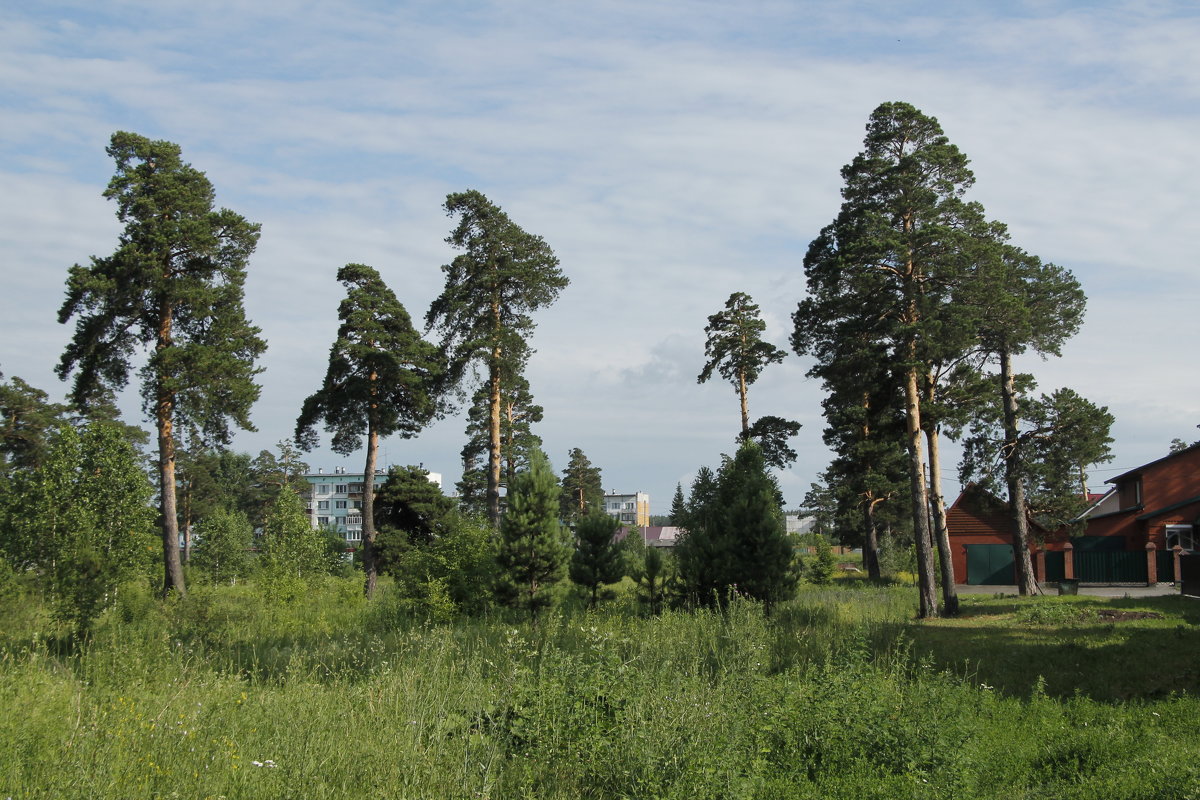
(919, 496)
(493, 488)
(369, 556)
(871, 539)
(745, 406)
(940, 529)
(1019, 519)
(164, 409)
(172, 568)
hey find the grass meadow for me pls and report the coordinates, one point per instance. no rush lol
(840, 694)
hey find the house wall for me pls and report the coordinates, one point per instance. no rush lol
(977, 518)
(1157, 485)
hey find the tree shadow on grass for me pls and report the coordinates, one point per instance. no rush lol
(1149, 651)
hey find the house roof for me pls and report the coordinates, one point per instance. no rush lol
(1168, 509)
(986, 502)
(1144, 467)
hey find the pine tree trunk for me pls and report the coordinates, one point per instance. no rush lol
(1019, 519)
(164, 408)
(871, 540)
(493, 489)
(918, 495)
(940, 529)
(369, 556)
(745, 406)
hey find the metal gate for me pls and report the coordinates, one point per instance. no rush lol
(1189, 574)
(990, 565)
(1110, 567)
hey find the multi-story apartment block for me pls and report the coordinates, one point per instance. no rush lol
(630, 509)
(335, 501)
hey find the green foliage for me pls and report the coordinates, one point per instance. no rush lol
(483, 314)
(518, 413)
(821, 568)
(381, 373)
(735, 348)
(582, 488)
(293, 552)
(82, 521)
(174, 287)
(222, 552)
(412, 505)
(382, 380)
(534, 547)
(597, 557)
(27, 423)
(654, 576)
(738, 542)
(450, 574)
(834, 696)
(772, 435)
(678, 507)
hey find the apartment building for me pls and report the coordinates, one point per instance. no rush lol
(630, 509)
(336, 500)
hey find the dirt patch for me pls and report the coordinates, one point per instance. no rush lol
(1113, 615)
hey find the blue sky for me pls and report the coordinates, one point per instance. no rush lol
(670, 152)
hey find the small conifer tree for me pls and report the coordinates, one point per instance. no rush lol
(534, 547)
(597, 557)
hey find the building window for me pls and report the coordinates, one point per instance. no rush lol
(354, 535)
(1182, 535)
(339, 503)
(354, 520)
(322, 505)
(340, 489)
(323, 488)
(322, 521)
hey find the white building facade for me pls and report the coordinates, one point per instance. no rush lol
(630, 509)
(335, 500)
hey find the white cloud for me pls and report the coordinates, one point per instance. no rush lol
(670, 153)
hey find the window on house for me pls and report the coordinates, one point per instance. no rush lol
(1182, 535)
(323, 488)
(354, 535)
(322, 505)
(340, 489)
(354, 520)
(322, 521)
(339, 503)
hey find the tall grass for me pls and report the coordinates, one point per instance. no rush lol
(226, 695)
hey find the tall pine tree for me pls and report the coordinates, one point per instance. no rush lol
(880, 276)
(174, 286)
(483, 314)
(381, 381)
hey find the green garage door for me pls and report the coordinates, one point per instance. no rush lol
(990, 564)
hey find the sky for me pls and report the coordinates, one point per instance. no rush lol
(670, 153)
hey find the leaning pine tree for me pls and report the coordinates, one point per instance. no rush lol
(483, 314)
(380, 382)
(173, 287)
(534, 547)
